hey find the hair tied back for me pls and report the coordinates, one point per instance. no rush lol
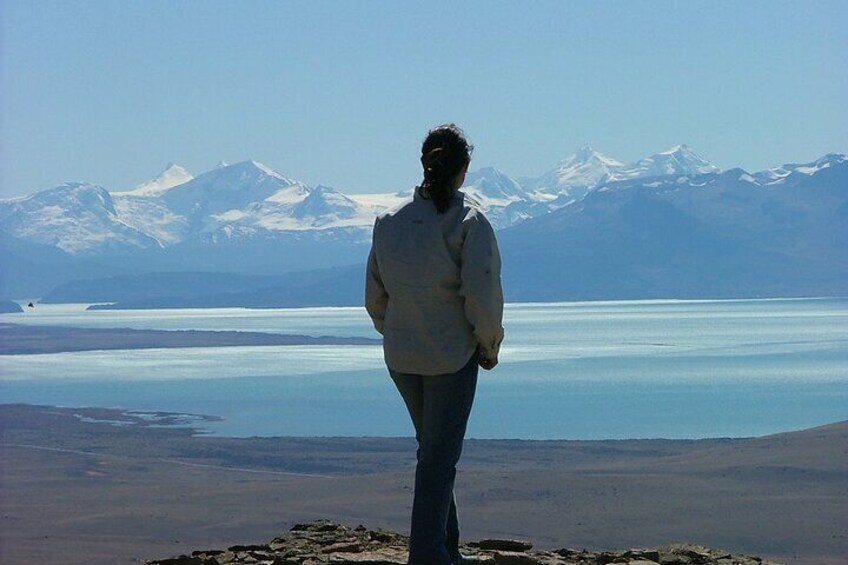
(444, 154)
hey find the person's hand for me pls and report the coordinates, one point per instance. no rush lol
(487, 363)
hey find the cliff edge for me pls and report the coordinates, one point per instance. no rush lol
(326, 542)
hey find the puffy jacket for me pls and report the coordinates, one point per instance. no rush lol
(433, 286)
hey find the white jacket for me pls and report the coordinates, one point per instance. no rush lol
(433, 286)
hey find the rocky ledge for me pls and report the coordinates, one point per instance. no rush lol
(325, 542)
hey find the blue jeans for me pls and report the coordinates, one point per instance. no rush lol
(439, 406)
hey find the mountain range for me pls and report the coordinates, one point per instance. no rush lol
(669, 225)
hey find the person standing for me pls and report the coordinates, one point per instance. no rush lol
(433, 290)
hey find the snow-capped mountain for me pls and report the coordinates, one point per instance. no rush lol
(708, 235)
(78, 218)
(780, 175)
(325, 205)
(577, 174)
(491, 187)
(232, 188)
(173, 175)
(587, 170)
(248, 218)
(250, 200)
(244, 200)
(679, 160)
(506, 203)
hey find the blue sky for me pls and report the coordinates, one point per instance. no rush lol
(341, 93)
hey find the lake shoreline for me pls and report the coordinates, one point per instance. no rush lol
(24, 339)
(584, 371)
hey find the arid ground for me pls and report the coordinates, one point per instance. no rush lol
(98, 486)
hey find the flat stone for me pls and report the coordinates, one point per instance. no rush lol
(504, 545)
(286, 561)
(482, 559)
(604, 557)
(382, 536)
(570, 553)
(514, 558)
(318, 526)
(181, 560)
(253, 547)
(383, 557)
(668, 558)
(647, 554)
(549, 558)
(346, 547)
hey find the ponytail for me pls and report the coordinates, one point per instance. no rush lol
(444, 154)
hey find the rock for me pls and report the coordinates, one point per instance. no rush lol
(346, 547)
(503, 545)
(667, 557)
(207, 553)
(318, 526)
(235, 548)
(371, 558)
(514, 558)
(181, 560)
(327, 543)
(604, 557)
(646, 554)
(382, 535)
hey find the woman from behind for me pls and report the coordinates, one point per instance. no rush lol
(433, 289)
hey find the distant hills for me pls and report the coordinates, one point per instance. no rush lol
(671, 225)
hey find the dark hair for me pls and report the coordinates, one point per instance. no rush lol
(444, 153)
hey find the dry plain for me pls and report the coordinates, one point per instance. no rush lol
(99, 486)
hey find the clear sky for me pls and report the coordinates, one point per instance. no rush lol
(342, 93)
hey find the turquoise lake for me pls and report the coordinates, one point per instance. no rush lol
(592, 370)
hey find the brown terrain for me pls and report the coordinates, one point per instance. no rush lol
(324, 542)
(100, 486)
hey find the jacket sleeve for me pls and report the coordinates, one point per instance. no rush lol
(376, 297)
(481, 285)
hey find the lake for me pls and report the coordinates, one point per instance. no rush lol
(591, 370)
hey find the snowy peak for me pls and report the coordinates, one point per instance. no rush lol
(489, 185)
(173, 175)
(575, 175)
(251, 200)
(588, 169)
(777, 175)
(76, 217)
(244, 169)
(587, 156)
(226, 188)
(71, 197)
(327, 204)
(253, 168)
(679, 160)
(246, 172)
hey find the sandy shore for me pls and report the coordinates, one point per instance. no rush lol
(78, 489)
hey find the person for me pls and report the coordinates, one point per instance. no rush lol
(433, 290)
